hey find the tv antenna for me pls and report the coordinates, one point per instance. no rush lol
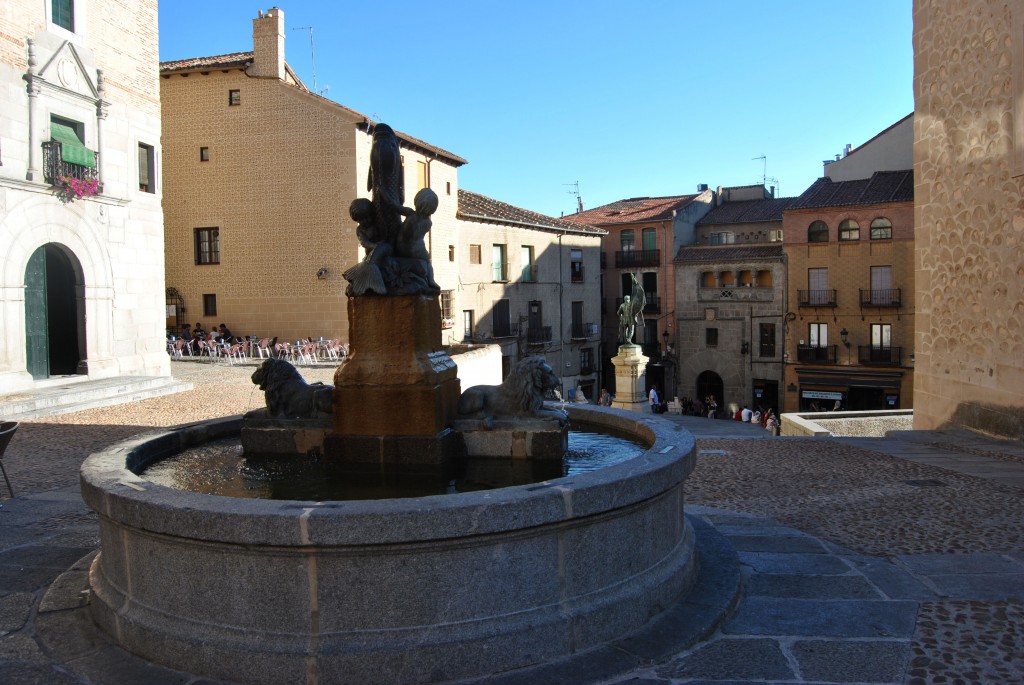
(575, 192)
(765, 178)
(312, 54)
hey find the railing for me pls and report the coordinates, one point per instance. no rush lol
(54, 167)
(586, 369)
(880, 356)
(817, 355)
(576, 273)
(500, 272)
(529, 273)
(816, 298)
(583, 331)
(766, 350)
(538, 335)
(886, 297)
(505, 329)
(627, 259)
(652, 303)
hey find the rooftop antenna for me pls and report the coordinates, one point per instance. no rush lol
(576, 193)
(765, 178)
(312, 53)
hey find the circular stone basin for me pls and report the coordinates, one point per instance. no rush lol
(416, 590)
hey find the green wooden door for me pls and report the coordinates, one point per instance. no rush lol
(37, 343)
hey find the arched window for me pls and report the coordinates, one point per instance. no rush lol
(881, 229)
(707, 279)
(849, 230)
(817, 232)
(726, 279)
(746, 278)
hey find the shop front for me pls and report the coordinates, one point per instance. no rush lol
(820, 390)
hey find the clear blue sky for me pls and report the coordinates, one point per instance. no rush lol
(630, 99)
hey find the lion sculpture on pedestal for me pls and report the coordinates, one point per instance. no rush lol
(520, 396)
(287, 393)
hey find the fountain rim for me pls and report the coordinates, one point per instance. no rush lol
(113, 490)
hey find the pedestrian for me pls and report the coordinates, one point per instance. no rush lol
(652, 397)
(756, 416)
(746, 414)
(771, 424)
(712, 407)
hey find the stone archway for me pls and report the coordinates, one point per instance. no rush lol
(710, 383)
(54, 313)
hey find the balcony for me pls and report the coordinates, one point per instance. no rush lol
(879, 356)
(630, 259)
(816, 298)
(500, 272)
(816, 355)
(529, 274)
(586, 369)
(887, 297)
(54, 165)
(583, 331)
(505, 329)
(538, 335)
(652, 303)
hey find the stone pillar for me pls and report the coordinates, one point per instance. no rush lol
(630, 368)
(34, 150)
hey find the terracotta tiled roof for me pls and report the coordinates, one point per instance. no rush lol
(633, 210)
(234, 59)
(241, 59)
(747, 211)
(477, 207)
(718, 253)
(883, 186)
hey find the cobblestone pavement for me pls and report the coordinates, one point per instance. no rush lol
(859, 566)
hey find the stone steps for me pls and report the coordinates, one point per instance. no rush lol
(70, 395)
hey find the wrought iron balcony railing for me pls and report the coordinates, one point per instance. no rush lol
(586, 369)
(500, 272)
(583, 331)
(538, 335)
(816, 355)
(54, 167)
(529, 274)
(816, 298)
(628, 259)
(505, 329)
(886, 297)
(879, 356)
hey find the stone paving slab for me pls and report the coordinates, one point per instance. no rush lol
(810, 564)
(945, 564)
(872, 661)
(892, 581)
(827, 618)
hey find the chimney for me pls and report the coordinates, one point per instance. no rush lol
(846, 150)
(268, 44)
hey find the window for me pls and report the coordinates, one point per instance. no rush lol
(62, 13)
(723, 238)
(818, 334)
(422, 175)
(727, 279)
(650, 238)
(207, 245)
(234, 97)
(817, 232)
(499, 263)
(746, 278)
(775, 235)
(204, 154)
(818, 293)
(767, 340)
(526, 257)
(764, 278)
(501, 315)
(586, 360)
(577, 321)
(474, 254)
(467, 324)
(71, 136)
(849, 230)
(576, 265)
(627, 239)
(446, 304)
(881, 229)
(451, 253)
(448, 187)
(707, 279)
(881, 336)
(711, 337)
(209, 305)
(147, 170)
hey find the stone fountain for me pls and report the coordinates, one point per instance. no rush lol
(428, 589)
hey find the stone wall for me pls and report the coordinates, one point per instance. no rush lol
(969, 195)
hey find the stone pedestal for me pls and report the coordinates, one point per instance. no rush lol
(630, 366)
(396, 395)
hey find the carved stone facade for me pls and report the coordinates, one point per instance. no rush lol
(81, 224)
(969, 166)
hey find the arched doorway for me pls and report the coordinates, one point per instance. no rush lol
(54, 313)
(710, 383)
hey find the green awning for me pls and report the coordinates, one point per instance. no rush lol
(72, 150)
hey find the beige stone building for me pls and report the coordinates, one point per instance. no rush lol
(81, 229)
(259, 173)
(969, 168)
(731, 300)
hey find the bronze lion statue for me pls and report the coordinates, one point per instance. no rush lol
(287, 393)
(521, 395)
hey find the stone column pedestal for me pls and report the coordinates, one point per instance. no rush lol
(398, 392)
(630, 366)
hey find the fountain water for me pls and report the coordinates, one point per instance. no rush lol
(425, 589)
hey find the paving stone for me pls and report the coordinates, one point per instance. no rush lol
(813, 564)
(14, 611)
(810, 587)
(824, 618)
(21, 673)
(894, 582)
(776, 543)
(21, 647)
(942, 564)
(729, 658)
(981, 586)
(872, 661)
(110, 665)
